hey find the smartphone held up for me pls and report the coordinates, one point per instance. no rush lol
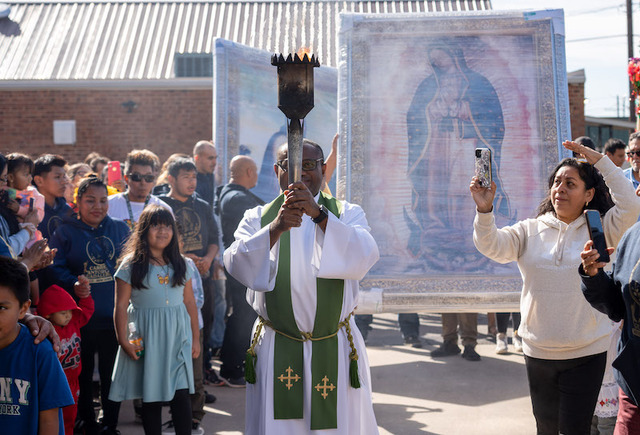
(483, 166)
(596, 234)
(114, 172)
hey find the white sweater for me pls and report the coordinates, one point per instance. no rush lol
(557, 321)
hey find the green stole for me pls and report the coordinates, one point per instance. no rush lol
(288, 395)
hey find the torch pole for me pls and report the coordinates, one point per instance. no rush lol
(294, 152)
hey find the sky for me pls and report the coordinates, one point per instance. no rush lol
(596, 41)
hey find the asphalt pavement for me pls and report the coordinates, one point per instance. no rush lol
(412, 392)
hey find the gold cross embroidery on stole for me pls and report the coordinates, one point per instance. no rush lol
(324, 387)
(288, 378)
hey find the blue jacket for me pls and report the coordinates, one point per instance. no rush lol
(54, 216)
(617, 294)
(93, 252)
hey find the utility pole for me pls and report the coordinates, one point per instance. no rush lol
(632, 102)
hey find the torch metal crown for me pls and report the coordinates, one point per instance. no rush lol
(295, 83)
(278, 60)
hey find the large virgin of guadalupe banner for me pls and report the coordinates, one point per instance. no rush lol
(418, 95)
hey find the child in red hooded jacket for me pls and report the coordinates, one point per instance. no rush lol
(57, 305)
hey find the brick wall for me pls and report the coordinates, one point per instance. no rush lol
(576, 109)
(164, 121)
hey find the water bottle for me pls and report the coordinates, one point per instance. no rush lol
(136, 339)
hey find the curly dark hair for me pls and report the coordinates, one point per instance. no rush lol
(138, 254)
(592, 179)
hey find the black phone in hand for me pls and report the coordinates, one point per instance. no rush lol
(596, 233)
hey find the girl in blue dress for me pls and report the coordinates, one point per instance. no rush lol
(153, 289)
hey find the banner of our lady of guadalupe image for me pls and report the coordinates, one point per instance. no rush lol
(418, 94)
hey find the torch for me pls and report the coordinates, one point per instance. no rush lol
(295, 100)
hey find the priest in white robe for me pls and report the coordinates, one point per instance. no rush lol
(301, 258)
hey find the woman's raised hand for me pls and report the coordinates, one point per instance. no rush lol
(590, 263)
(592, 156)
(483, 196)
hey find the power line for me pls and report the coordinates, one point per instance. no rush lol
(621, 7)
(593, 11)
(595, 38)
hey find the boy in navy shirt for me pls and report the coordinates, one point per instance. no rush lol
(33, 387)
(51, 181)
(50, 178)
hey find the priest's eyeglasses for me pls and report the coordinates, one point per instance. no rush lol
(307, 164)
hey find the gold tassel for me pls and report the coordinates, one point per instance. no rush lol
(354, 379)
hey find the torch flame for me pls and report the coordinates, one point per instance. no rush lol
(304, 51)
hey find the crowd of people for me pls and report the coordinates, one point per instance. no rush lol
(106, 255)
(129, 266)
(124, 260)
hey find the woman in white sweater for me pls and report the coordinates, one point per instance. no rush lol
(564, 340)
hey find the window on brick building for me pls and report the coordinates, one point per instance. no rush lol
(193, 65)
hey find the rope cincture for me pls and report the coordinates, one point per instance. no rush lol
(251, 356)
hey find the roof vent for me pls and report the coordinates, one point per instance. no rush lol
(193, 64)
(5, 10)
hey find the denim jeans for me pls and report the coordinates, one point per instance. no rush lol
(219, 314)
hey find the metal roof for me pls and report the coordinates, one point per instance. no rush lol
(137, 40)
(577, 77)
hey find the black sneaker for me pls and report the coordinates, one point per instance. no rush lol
(167, 428)
(447, 348)
(235, 382)
(470, 353)
(413, 341)
(196, 429)
(86, 427)
(209, 398)
(211, 378)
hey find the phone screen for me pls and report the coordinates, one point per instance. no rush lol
(30, 204)
(596, 233)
